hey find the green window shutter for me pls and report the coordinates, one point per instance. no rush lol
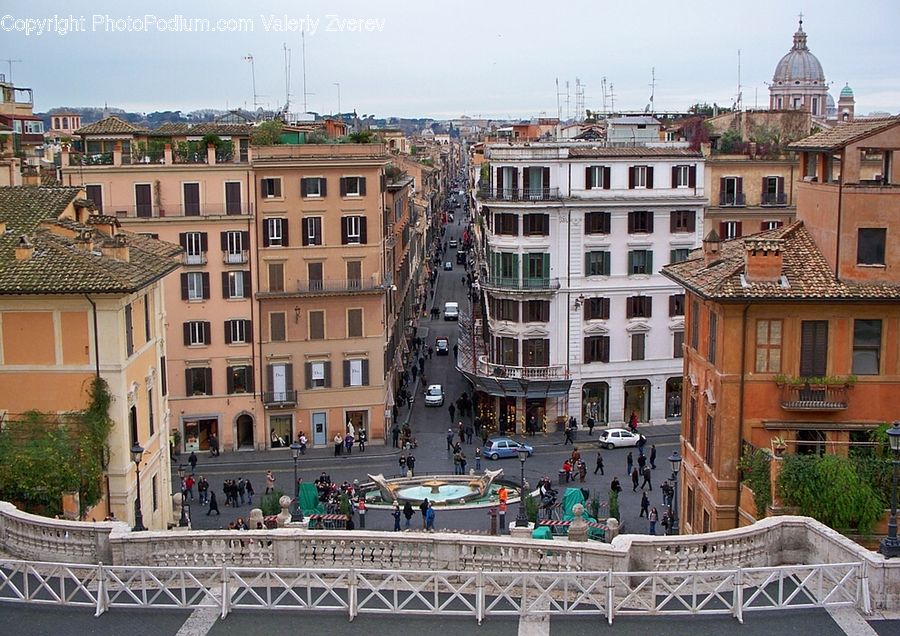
(649, 262)
(546, 265)
(630, 263)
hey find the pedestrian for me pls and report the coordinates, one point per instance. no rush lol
(567, 469)
(590, 425)
(450, 439)
(421, 364)
(470, 433)
(203, 490)
(642, 461)
(629, 462)
(599, 465)
(241, 489)
(248, 487)
(362, 440)
(361, 510)
(395, 513)
(653, 516)
(647, 476)
(477, 458)
(213, 504)
(633, 422)
(569, 439)
(414, 371)
(634, 479)
(270, 482)
(395, 433)
(423, 508)
(411, 464)
(461, 428)
(532, 426)
(304, 442)
(455, 351)
(452, 410)
(192, 460)
(408, 513)
(653, 456)
(666, 521)
(430, 352)
(189, 486)
(213, 445)
(429, 518)
(642, 441)
(615, 486)
(645, 505)
(582, 470)
(338, 444)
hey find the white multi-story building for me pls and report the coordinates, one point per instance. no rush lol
(575, 318)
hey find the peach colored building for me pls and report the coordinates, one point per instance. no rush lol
(80, 298)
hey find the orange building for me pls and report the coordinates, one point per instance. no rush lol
(793, 332)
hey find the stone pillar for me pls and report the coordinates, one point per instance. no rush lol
(211, 154)
(167, 154)
(284, 516)
(775, 465)
(520, 533)
(117, 154)
(578, 529)
(612, 525)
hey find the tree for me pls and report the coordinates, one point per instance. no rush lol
(361, 137)
(267, 133)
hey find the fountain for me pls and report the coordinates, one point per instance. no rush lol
(441, 490)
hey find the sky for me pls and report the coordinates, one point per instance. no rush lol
(438, 59)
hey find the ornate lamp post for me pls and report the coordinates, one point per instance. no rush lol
(137, 453)
(675, 461)
(183, 520)
(295, 512)
(890, 545)
(522, 518)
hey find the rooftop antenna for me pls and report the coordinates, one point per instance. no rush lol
(738, 102)
(303, 50)
(603, 92)
(287, 79)
(9, 64)
(579, 100)
(568, 111)
(650, 106)
(558, 107)
(612, 98)
(249, 58)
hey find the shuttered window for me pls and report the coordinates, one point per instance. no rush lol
(354, 323)
(596, 223)
(681, 221)
(356, 372)
(317, 325)
(596, 309)
(638, 346)
(596, 349)
(813, 348)
(277, 331)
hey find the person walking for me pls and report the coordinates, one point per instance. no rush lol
(452, 410)
(461, 428)
(248, 487)
(423, 508)
(642, 461)
(241, 489)
(653, 456)
(395, 513)
(429, 518)
(569, 439)
(634, 479)
(411, 464)
(363, 436)
(402, 462)
(629, 462)
(615, 486)
(455, 351)
(582, 470)
(213, 504)
(408, 513)
(192, 460)
(647, 478)
(590, 425)
(599, 465)
(645, 505)
(395, 434)
(653, 517)
(449, 439)
(270, 482)
(203, 489)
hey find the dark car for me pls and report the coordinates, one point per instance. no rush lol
(442, 346)
(460, 258)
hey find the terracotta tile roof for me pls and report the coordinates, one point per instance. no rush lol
(635, 151)
(57, 265)
(48, 177)
(805, 270)
(111, 125)
(205, 128)
(844, 134)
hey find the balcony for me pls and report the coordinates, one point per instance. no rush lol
(279, 399)
(519, 194)
(774, 199)
(519, 284)
(732, 200)
(235, 258)
(328, 287)
(814, 397)
(193, 259)
(150, 211)
(513, 381)
(91, 159)
(556, 372)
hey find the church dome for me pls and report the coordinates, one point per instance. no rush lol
(846, 91)
(799, 66)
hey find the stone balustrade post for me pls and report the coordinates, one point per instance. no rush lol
(167, 154)
(117, 154)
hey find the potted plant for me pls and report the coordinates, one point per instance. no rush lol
(779, 445)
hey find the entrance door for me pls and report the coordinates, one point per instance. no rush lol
(143, 200)
(245, 431)
(535, 408)
(320, 430)
(637, 400)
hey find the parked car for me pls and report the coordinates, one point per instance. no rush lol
(448, 266)
(453, 243)
(619, 438)
(434, 395)
(442, 346)
(497, 447)
(451, 311)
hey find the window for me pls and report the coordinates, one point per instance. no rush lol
(678, 344)
(770, 225)
(34, 127)
(95, 194)
(190, 196)
(537, 270)
(596, 264)
(506, 224)
(731, 191)
(676, 305)
(730, 230)
(280, 381)
(154, 492)
(768, 346)
(277, 326)
(536, 352)
(356, 372)
(773, 191)
(870, 246)
(813, 348)
(353, 230)
(353, 186)
(236, 284)
(129, 330)
(276, 276)
(811, 442)
(597, 177)
(536, 224)
(684, 176)
(596, 309)
(682, 221)
(712, 343)
(638, 345)
(596, 223)
(640, 262)
(315, 276)
(710, 439)
(640, 177)
(596, 349)
(238, 331)
(196, 332)
(504, 309)
(312, 187)
(695, 325)
(640, 222)
(707, 524)
(507, 351)
(148, 332)
(199, 381)
(679, 254)
(312, 230)
(639, 307)
(162, 375)
(536, 311)
(317, 325)
(194, 286)
(692, 423)
(536, 181)
(233, 197)
(235, 246)
(239, 379)
(354, 323)
(270, 188)
(354, 274)
(866, 347)
(318, 375)
(275, 232)
(195, 246)
(689, 508)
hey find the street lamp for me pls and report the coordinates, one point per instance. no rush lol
(137, 453)
(183, 520)
(295, 513)
(890, 545)
(522, 518)
(675, 460)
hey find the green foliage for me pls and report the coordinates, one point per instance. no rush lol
(614, 505)
(730, 141)
(191, 151)
(829, 380)
(267, 133)
(830, 489)
(269, 503)
(361, 137)
(345, 506)
(755, 466)
(531, 508)
(594, 506)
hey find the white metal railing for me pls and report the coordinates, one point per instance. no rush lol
(479, 594)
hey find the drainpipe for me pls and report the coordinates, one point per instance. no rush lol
(837, 253)
(740, 437)
(96, 338)
(255, 316)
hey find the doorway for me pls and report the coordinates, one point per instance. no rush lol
(535, 408)
(637, 400)
(595, 403)
(673, 397)
(506, 416)
(320, 428)
(197, 432)
(245, 431)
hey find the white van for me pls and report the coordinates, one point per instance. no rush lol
(451, 311)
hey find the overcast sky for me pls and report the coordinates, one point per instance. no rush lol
(443, 59)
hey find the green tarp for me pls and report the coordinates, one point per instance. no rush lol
(574, 496)
(308, 500)
(542, 532)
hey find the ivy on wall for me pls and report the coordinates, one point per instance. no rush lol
(755, 466)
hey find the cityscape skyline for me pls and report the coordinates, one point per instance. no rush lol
(409, 61)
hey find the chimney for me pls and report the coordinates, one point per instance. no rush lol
(85, 241)
(116, 247)
(711, 248)
(763, 259)
(24, 250)
(753, 149)
(105, 225)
